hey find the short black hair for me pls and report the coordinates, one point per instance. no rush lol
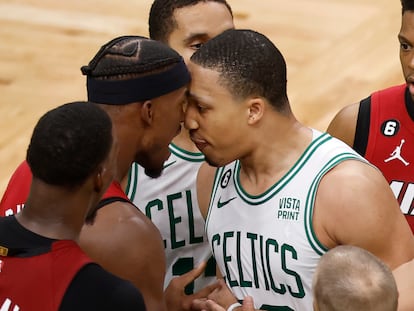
(249, 65)
(161, 20)
(407, 5)
(69, 143)
(127, 57)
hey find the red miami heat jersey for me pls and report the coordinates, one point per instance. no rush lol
(391, 145)
(18, 190)
(52, 272)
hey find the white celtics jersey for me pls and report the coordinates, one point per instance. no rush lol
(265, 245)
(170, 201)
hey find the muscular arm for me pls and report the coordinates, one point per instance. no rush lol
(355, 206)
(126, 243)
(343, 125)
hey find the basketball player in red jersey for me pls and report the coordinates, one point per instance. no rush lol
(381, 126)
(72, 156)
(141, 84)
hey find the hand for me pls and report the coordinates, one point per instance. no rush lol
(211, 305)
(222, 296)
(175, 296)
(248, 304)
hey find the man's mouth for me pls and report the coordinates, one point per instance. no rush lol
(200, 143)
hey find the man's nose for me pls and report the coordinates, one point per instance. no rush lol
(189, 119)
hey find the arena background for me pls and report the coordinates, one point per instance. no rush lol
(337, 52)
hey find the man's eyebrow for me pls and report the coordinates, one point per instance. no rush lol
(402, 38)
(194, 36)
(193, 96)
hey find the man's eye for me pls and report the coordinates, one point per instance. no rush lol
(405, 46)
(196, 46)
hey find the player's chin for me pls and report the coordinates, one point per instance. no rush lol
(213, 161)
(218, 158)
(155, 168)
(154, 171)
(410, 86)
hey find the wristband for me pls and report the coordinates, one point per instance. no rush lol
(234, 306)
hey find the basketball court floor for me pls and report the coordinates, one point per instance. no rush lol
(337, 53)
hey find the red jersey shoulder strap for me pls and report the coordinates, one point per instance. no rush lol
(114, 194)
(389, 95)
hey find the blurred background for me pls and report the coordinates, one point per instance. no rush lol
(337, 53)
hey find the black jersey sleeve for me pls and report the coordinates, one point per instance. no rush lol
(362, 126)
(93, 288)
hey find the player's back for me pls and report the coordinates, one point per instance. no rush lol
(40, 273)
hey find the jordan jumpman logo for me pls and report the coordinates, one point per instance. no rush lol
(396, 154)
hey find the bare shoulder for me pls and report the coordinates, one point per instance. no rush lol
(404, 270)
(126, 243)
(355, 205)
(123, 217)
(343, 125)
(205, 180)
(405, 282)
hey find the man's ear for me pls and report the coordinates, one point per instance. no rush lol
(255, 110)
(98, 180)
(147, 112)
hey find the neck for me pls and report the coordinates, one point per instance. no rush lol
(272, 156)
(53, 212)
(124, 163)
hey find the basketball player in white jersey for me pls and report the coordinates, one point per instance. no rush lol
(170, 201)
(283, 193)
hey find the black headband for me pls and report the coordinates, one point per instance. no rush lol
(121, 92)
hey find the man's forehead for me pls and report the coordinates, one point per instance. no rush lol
(202, 16)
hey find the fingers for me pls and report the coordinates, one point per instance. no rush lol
(223, 295)
(222, 282)
(206, 305)
(248, 304)
(193, 274)
(213, 306)
(199, 305)
(183, 280)
(204, 292)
